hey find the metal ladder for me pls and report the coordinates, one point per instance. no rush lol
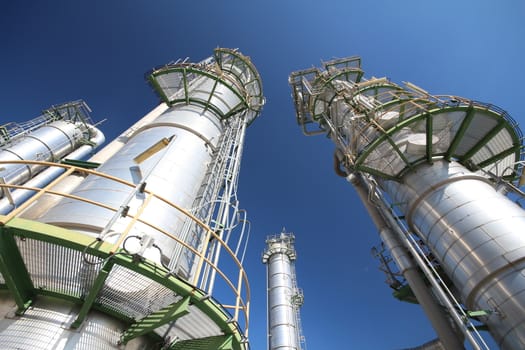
(209, 202)
(297, 302)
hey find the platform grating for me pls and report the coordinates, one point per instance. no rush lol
(133, 295)
(57, 268)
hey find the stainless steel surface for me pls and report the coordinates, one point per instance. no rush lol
(176, 172)
(48, 143)
(20, 195)
(476, 234)
(441, 322)
(116, 144)
(284, 330)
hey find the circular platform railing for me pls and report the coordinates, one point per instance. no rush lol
(38, 258)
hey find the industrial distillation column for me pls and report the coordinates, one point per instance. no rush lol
(62, 131)
(284, 298)
(444, 164)
(129, 241)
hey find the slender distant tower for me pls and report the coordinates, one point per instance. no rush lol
(439, 176)
(284, 298)
(121, 251)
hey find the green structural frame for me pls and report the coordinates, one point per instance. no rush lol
(430, 154)
(18, 282)
(186, 99)
(314, 91)
(249, 92)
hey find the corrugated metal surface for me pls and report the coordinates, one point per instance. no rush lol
(41, 324)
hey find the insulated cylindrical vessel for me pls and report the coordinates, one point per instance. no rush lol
(177, 178)
(113, 252)
(192, 127)
(476, 234)
(48, 143)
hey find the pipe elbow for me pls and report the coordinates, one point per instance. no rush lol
(337, 164)
(96, 136)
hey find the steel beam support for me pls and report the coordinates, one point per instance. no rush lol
(429, 132)
(14, 271)
(485, 139)
(469, 115)
(221, 342)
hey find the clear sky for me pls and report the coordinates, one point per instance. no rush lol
(57, 51)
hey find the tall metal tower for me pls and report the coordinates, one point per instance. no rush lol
(284, 297)
(439, 176)
(122, 251)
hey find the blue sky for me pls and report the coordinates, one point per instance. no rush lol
(57, 51)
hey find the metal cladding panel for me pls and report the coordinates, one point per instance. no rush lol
(175, 173)
(510, 308)
(499, 143)
(476, 234)
(504, 167)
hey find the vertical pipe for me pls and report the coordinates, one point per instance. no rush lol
(230, 188)
(432, 309)
(477, 235)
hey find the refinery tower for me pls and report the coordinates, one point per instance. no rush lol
(121, 251)
(440, 177)
(284, 297)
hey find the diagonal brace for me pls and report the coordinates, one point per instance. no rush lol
(93, 292)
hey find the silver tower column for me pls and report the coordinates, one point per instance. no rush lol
(132, 249)
(62, 131)
(284, 298)
(169, 155)
(438, 169)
